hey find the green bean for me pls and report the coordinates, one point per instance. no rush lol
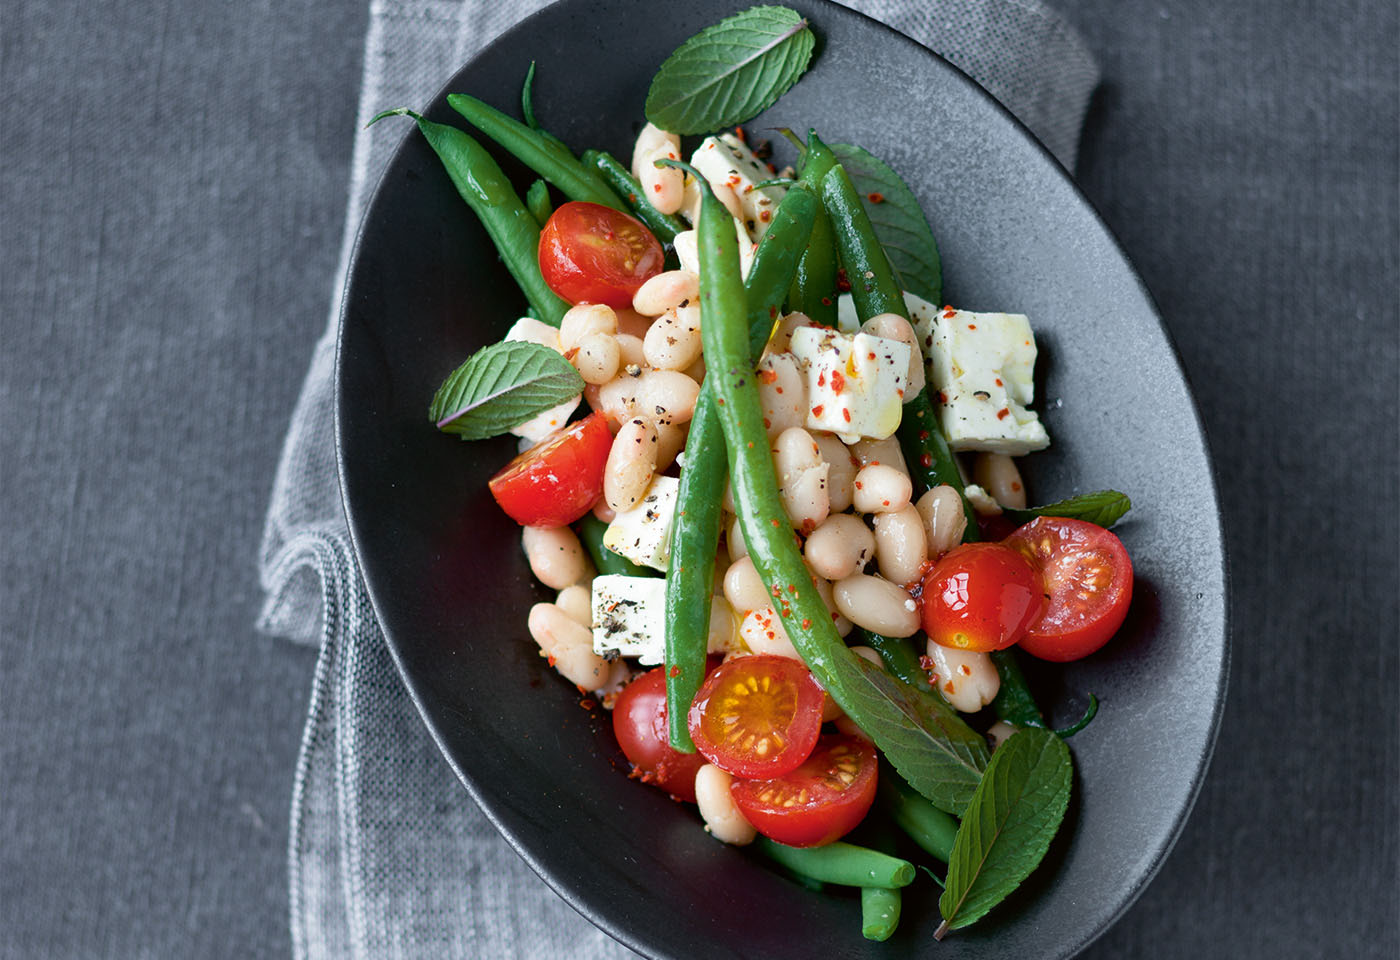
(932, 829)
(695, 533)
(763, 520)
(590, 532)
(483, 185)
(880, 906)
(814, 288)
(538, 150)
(527, 98)
(537, 201)
(1013, 702)
(664, 225)
(843, 863)
(899, 657)
(874, 291)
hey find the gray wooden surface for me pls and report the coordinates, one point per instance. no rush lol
(171, 189)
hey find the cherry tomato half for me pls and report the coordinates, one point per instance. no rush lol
(558, 479)
(981, 596)
(820, 801)
(639, 723)
(590, 253)
(757, 716)
(1088, 579)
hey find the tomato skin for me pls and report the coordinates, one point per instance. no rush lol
(833, 808)
(757, 716)
(1075, 557)
(590, 253)
(639, 723)
(981, 596)
(558, 479)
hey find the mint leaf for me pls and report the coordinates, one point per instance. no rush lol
(502, 386)
(731, 71)
(924, 738)
(1007, 827)
(1103, 507)
(898, 219)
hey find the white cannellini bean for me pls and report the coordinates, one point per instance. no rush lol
(944, 521)
(664, 187)
(696, 371)
(884, 451)
(631, 464)
(618, 675)
(869, 653)
(900, 544)
(569, 644)
(797, 460)
(577, 602)
(556, 557)
(673, 342)
(782, 392)
(877, 605)
(734, 542)
(881, 489)
(723, 628)
(631, 351)
(967, 679)
(670, 441)
(743, 587)
(662, 396)
(839, 547)
(892, 326)
(762, 632)
(667, 289)
(997, 474)
(999, 733)
(603, 512)
(583, 319)
(721, 814)
(597, 358)
(841, 472)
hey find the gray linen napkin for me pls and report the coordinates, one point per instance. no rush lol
(388, 855)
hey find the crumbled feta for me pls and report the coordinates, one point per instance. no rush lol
(855, 384)
(727, 159)
(530, 330)
(982, 501)
(629, 618)
(643, 533)
(980, 368)
(689, 255)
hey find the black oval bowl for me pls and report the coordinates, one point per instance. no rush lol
(451, 588)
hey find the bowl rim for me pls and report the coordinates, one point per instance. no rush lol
(617, 931)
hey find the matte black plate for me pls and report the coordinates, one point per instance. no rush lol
(451, 588)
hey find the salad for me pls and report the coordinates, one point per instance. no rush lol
(774, 485)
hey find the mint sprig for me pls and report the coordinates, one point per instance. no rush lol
(1103, 507)
(730, 72)
(502, 386)
(1007, 827)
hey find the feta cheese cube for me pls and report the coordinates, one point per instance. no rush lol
(629, 618)
(980, 368)
(530, 330)
(920, 311)
(728, 160)
(643, 533)
(855, 384)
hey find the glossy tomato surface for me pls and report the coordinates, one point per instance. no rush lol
(757, 716)
(1088, 579)
(639, 723)
(981, 596)
(558, 479)
(590, 253)
(821, 801)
